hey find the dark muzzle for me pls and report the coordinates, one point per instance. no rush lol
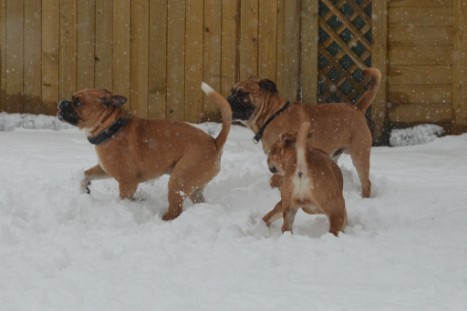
(242, 109)
(66, 112)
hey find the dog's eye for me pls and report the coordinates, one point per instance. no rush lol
(77, 102)
(242, 94)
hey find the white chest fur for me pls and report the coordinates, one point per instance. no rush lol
(302, 183)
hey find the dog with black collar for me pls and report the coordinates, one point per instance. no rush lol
(335, 128)
(133, 150)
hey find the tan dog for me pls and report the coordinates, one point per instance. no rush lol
(312, 181)
(334, 127)
(133, 150)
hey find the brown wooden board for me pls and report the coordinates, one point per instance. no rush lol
(139, 57)
(104, 46)
(50, 54)
(193, 101)
(157, 60)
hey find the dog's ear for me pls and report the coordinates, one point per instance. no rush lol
(114, 100)
(287, 139)
(268, 85)
(117, 100)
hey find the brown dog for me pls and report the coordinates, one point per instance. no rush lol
(312, 181)
(334, 127)
(133, 150)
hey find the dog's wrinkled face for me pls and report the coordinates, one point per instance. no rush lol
(246, 96)
(88, 106)
(280, 151)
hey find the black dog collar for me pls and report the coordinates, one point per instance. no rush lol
(111, 131)
(259, 135)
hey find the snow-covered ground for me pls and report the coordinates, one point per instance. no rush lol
(405, 248)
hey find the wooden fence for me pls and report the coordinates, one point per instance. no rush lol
(152, 51)
(427, 62)
(157, 52)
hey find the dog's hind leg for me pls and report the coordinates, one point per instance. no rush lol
(338, 219)
(197, 195)
(361, 161)
(289, 218)
(94, 173)
(127, 189)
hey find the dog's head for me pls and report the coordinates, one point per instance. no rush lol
(88, 107)
(281, 151)
(247, 95)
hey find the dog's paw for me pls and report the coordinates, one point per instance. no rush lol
(170, 215)
(85, 187)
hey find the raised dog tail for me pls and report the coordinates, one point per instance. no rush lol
(300, 147)
(372, 78)
(226, 114)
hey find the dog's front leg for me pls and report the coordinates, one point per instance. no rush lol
(95, 172)
(274, 214)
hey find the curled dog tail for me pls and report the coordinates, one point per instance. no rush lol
(300, 147)
(226, 114)
(371, 77)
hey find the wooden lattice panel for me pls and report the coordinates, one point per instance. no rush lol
(344, 48)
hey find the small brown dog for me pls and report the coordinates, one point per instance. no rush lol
(133, 150)
(335, 127)
(311, 181)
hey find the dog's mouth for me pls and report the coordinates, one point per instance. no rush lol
(66, 113)
(242, 108)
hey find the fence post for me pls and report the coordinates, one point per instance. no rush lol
(459, 84)
(379, 60)
(309, 51)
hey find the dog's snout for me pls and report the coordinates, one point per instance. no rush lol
(231, 99)
(273, 169)
(66, 112)
(64, 104)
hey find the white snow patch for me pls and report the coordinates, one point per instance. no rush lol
(420, 134)
(405, 247)
(10, 122)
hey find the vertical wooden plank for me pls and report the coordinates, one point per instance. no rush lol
(50, 54)
(291, 52)
(309, 51)
(460, 64)
(379, 60)
(249, 38)
(280, 74)
(103, 65)
(176, 60)
(229, 73)
(267, 39)
(32, 57)
(158, 59)
(14, 56)
(193, 60)
(2, 55)
(121, 49)
(212, 52)
(68, 49)
(86, 43)
(139, 57)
